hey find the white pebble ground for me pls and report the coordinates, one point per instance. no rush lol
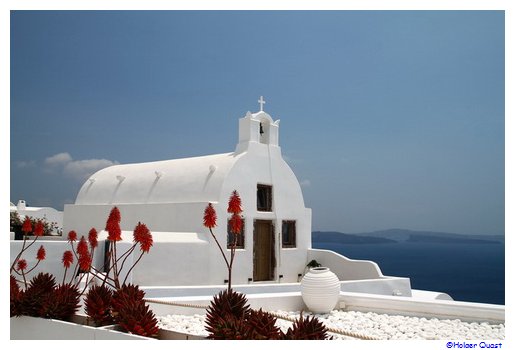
(371, 324)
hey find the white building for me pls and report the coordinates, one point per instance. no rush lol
(170, 197)
(48, 214)
(185, 265)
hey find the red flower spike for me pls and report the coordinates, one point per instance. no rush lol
(114, 232)
(114, 216)
(234, 203)
(39, 230)
(143, 236)
(93, 238)
(22, 264)
(235, 223)
(67, 258)
(82, 247)
(85, 261)
(72, 236)
(84, 256)
(209, 216)
(41, 254)
(113, 225)
(27, 225)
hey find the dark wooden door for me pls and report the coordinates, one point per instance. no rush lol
(264, 262)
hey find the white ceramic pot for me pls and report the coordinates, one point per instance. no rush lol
(320, 290)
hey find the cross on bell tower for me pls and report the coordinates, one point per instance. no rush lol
(261, 103)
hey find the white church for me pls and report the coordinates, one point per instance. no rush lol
(185, 264)
(170, 197)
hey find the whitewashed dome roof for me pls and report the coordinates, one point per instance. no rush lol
(187, 180)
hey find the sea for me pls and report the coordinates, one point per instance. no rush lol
(467, 272)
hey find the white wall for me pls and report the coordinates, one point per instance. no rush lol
(52, 263)
(174, 263)
(172, 260)
(346, 269)
(263, 164)
(164, 217)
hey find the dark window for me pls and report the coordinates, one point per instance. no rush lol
(240, 237)
(264, 198)
(289, 234)
(107, 255)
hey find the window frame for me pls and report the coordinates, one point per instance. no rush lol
(268, 190)
(292, 242)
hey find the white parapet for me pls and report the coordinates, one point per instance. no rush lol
(35, 328)
(423, 307)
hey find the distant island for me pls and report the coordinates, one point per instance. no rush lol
(339, 237)
(402, 235)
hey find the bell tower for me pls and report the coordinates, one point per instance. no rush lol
(258, 128)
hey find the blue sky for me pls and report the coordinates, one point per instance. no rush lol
(388, 118)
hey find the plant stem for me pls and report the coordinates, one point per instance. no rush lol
(19, 254)
(75, 272)
(95, 272)
(128, 272)
(233, 251)
(24, 280)
(23, 248)
(115, 267)
(86, 284)
(29, 271)
(106, 276)
(219, 247)
(64, 277)
(127, 254)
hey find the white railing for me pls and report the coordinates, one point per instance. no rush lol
(346, 269)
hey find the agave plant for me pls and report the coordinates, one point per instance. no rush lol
(15, 297)
(34, 298)
(224, 312)
(230, 328)
(131, 312)
(229, 302)
(230, 317)
(306, 329)
(261, 325)
(41, 297)
(97, 305)
(63, 302)
(127, 293)
(137, 319)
